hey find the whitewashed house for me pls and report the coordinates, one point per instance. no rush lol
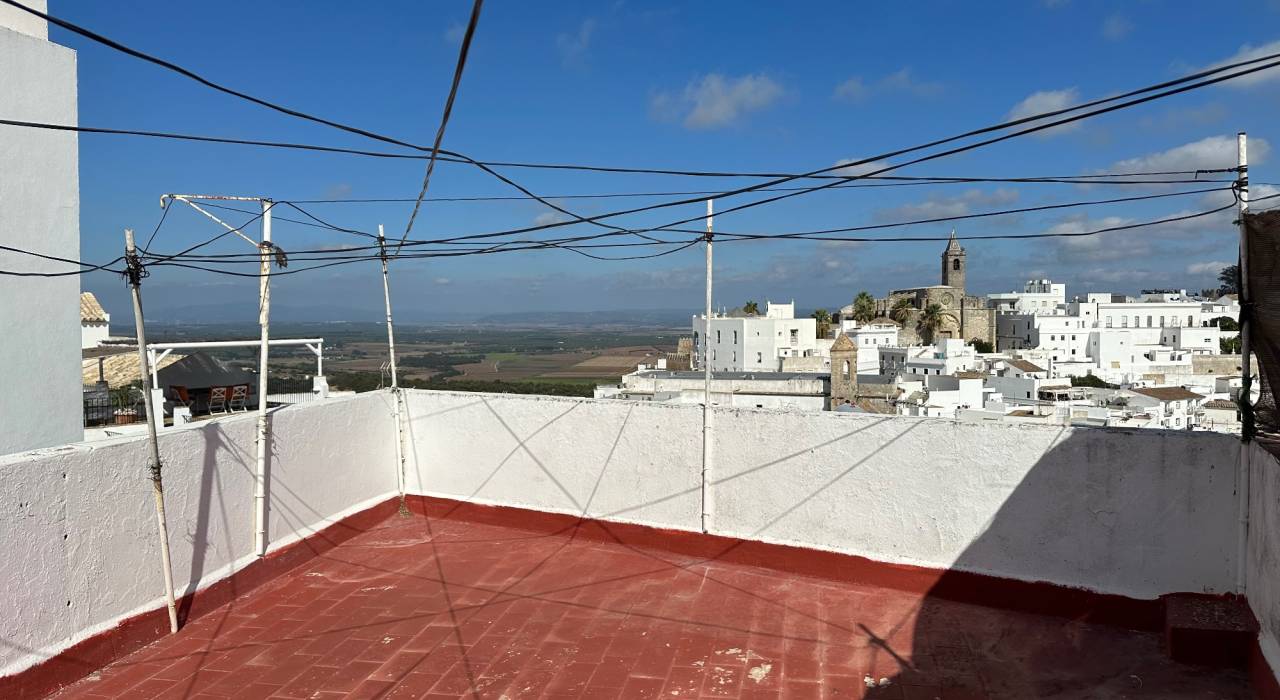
(95, 322)
(741, 342)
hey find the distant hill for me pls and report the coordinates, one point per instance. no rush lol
(631, 318)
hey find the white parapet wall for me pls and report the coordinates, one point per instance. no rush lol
(78, 530)
(615, 460)
(1136, 513)
(1263, 586)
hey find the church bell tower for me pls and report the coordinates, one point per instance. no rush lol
(953, 264)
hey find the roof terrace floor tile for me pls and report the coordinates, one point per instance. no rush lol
(436, 608)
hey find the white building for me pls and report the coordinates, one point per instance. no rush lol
(1171, 407)
(95, 322)
(752, 343)
(947, 356)
(1119, 339)
(40, 400)
(796, 391)
(1037, 296)
(870, 338)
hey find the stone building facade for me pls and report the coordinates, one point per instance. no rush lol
(963, 316)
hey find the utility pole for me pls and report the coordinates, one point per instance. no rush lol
(706, 380)
(135, 272)
(397, 395)
(264, 323)
(1245, 322)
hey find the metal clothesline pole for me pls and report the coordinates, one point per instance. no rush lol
(397, 395)
(157, 484)
(706, 381)
(264, 323)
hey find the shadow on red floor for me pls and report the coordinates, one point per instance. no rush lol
(444, 608)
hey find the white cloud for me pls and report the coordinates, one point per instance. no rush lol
(936, 207)
(339, 190)
(442, 281)
(1248, 52)
(573, 46)
(1211, 152)
(1208, 269)
(904, 81)
(455, 32)
(1116, 27)
(862, 169)
(1047, 101)
(549, 217)
(852, 90)
(716, 100)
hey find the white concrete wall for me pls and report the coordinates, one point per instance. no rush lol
(25, 22)
(1136, 513)
(616, 460)
(1262, 587)
(40, 395)
(78, 529)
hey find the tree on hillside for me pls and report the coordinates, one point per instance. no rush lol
(864, 307)
(901, 309)
(980, 345)
(751, 308)
(823, 317)
(1229, 280)
(930, 321)
(1226, 323)
(1229, 346)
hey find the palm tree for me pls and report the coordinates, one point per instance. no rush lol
(751, 308)
(823, 317)
(901, 309)
(864, 307)
(930, 321)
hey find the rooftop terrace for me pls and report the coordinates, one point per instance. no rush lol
(554, 548)
(473, 604)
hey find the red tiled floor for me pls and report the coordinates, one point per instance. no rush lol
(451, 608)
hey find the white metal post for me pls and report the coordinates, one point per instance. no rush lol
(1246, 381)
(397, 395)
(706, 382)
(264, 319)
(157, 485)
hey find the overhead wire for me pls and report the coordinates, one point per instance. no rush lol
(253, 257)
(463, 51)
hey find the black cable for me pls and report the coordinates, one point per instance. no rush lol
(1153, 88)
(976, 145)
(962, 217)
(448, 156)
(253, 257)
(448, 110)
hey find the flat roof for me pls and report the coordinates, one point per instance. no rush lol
(473, 603)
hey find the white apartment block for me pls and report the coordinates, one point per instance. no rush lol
(753, 343)
(1037, 296)
(1119, 337)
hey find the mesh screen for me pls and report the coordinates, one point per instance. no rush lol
(1262, 233)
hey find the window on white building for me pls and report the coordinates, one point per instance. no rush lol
(759, 357)
(1148, 322)
(735, 337)
(717, 336)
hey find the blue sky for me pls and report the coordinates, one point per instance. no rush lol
(713, 85)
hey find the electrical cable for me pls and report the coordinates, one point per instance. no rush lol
(448, 111)
(253, 257)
